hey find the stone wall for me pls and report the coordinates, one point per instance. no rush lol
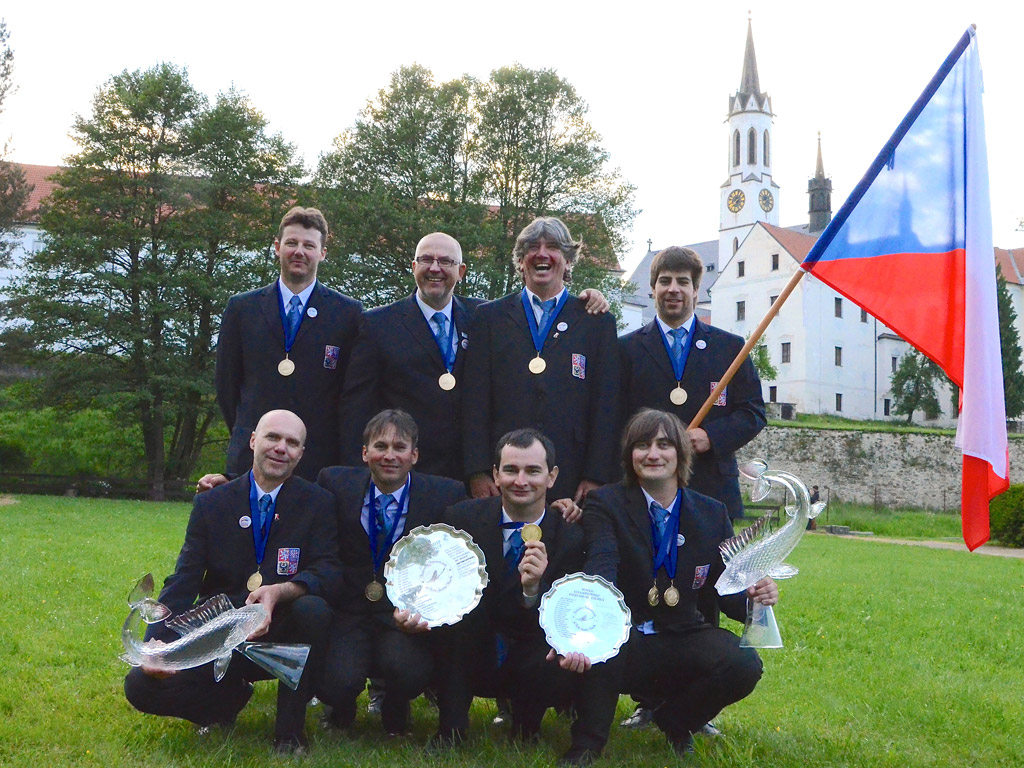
(885, 468)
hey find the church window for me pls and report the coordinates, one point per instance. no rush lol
(839, 307)
(767, 154)
(886, 407)
(736, 148)
(771, 302)
(863, 315)
(839, 402)
(773, 394)
(895, 363)
(775, 262)
(751, 147)
(735, 244)
(741, 310)
(741, 268)
(839, 356)
(785, 351)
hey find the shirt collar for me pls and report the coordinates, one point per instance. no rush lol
(260, 493)
(506, 532)
(531, 295)
(286, 293)
(665, 328)
(429, 312)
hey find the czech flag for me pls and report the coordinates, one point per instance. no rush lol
(913, 246)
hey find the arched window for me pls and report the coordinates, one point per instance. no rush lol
(767, 151)
(752, 147)
(736, 148)
(736, 246)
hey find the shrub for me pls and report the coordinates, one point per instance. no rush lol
(1006, 517)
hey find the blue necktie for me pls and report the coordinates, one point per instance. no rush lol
(293, 317)
(440, 333)
(264, 504)
(546, 308)
(515, 549)
(660, 515)
(381, 513)
(678, 335)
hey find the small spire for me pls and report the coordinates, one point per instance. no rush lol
(749, 83)
(819, 171)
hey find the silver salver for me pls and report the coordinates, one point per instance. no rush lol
(585, 614)
(436, 571)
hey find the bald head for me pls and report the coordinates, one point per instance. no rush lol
(277, 445)
(437, 268)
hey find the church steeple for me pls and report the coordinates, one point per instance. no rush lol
(820, 191)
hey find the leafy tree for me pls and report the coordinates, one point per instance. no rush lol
(913, 386)
(763, 362)
(165, 210)
(14, 190)
(1009, 347)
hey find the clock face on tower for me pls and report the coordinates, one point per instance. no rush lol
(736, 200)
(766, 200)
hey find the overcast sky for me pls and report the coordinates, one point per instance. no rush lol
(657, 77)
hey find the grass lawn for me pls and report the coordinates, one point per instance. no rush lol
(895, 656)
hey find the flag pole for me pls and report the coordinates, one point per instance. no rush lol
(751, 342)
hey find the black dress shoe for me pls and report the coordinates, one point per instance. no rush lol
(579, 756)
(642, 717)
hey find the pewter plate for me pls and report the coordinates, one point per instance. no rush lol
(436, 571)
(585, 614)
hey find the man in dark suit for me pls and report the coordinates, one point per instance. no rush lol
(375, 507)
(498, 650)
(650, 523)
(266, 537)
(536, 358)
(674, 362)
(287, 345)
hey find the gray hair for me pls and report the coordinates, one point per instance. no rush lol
(555, 232)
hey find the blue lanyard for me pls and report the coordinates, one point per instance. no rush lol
(677, 369)
(539, 334)
(288, 343)
(260, 536)
(447, 352)
(378, 557)
(666, 552)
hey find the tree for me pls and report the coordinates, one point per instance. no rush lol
(763, 362)
(14, 190)
(164, 212)
(913, 386)
(1009, 348)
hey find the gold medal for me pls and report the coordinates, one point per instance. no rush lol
(286, 367)
(530, 532)
(374, 591)
(652, 596)
(254, 582)
(678, 395)
(537, 365)
(672, 596)
(446, 382)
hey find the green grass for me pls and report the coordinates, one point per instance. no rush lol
(894, 523)
(895, 656)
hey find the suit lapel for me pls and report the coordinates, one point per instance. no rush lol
(636, 511)
(696, 376)
(419, 504)
(270, 308)
(650, 339)
(461, 317)
(571, 314)
(491, 543)
(415, 323)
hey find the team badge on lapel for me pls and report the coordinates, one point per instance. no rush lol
(700, 575)
(287, 561)
(331, 355)
(720, 400)
(579, 366)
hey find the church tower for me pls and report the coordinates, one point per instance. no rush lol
(819, 189)
(749, 195)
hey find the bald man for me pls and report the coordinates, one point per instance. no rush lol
(267, 537)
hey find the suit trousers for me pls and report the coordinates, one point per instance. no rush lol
(194, 695)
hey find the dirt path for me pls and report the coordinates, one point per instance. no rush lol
(954, 545)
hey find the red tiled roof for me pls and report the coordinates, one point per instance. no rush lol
(1011, 264)
(37, 176)
(796, 244)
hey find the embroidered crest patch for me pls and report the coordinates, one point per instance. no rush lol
(720, 400)
(700, 575)
(287, 561)
(331, 355)
(579, 366)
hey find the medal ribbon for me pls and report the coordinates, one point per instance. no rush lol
(260, 535)
(444, 341)
(288, 342)
(378, 557)
(540, 334)
(665, 551)
(677, 367)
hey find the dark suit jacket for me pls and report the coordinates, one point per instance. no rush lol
(429, 496)
(219, 556)
(647, 381)
(250, 346)
(501, 608)
(578, 412)
(396, 364)
(619, 548)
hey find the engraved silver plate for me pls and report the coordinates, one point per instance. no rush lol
(436, 571)
(585, 614)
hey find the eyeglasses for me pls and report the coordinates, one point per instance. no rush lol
(443, 263)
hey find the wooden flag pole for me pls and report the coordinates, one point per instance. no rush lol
(751, 342)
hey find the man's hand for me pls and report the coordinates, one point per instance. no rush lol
(585, 487)
(156, 672)
(532, 566)
(481, 486)
(410, 622)
(269, 596)
(574, 662)
(699, 440)
(765, 592)
(597, 304)
(206, 482)
(569, 509)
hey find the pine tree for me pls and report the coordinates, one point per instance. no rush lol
(1009, 347)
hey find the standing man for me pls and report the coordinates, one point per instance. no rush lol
(537, 359)
(376, 506)
(266, 537)
(674, 362)
(657, 541)
(287, 345)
